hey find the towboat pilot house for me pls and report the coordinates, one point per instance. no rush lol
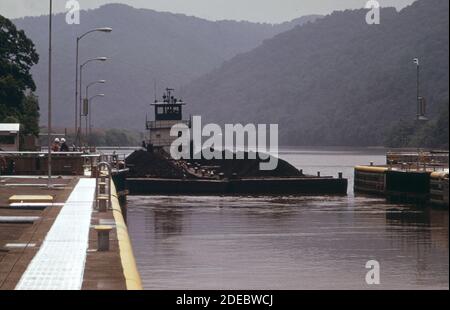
(168, 113)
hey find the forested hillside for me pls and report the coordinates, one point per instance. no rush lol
(340, 81)
(145, 47)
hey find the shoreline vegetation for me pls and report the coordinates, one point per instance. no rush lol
(18, 102)
(100, 137)
(433, 134)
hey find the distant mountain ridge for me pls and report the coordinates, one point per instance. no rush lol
(145, 47)
(338, 81)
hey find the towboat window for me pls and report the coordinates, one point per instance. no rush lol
(168, 112)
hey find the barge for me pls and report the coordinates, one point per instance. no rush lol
(154, 171)
(247, 186)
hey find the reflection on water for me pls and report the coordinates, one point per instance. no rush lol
(192, 242)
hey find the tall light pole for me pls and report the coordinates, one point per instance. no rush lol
(81, 84)
(87, 96)
(417, 63)
(103, 29)
(421, 103)
(49, 126)
(89, 102)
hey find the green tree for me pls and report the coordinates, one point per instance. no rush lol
(431, 134)
(17, 56)
(30, 118)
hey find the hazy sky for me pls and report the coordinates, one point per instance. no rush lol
(272, 11)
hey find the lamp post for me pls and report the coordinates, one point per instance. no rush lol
(103, 29)
(81, 84)
(87, 96)
(49, 126)
(421, 103)
(417, 63)
(89, 102)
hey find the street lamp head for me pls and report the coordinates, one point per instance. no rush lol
(104, 29)
(96, 96)
(93, 59)
(102, 81)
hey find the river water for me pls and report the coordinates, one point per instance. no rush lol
(198, 242)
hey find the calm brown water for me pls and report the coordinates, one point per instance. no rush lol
(192, 242)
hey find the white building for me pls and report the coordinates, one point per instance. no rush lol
(9, 137)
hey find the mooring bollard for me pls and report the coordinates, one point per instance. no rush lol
(318, 174)
(102, 204)
(103, 237)
(340, 175)
(102, 187)
(94, 171)
(371, 163)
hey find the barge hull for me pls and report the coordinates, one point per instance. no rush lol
(291, 186)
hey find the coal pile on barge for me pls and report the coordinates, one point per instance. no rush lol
(248, 167)
(152, 164)
(144, 164)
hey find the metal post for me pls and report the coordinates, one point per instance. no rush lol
(49, 129)
(86, 121)
(90, 123)
(418, 92)
(88, 116)
(76, 91)
(81, 102)
(88, 113)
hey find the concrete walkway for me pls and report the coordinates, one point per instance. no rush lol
(60, 261)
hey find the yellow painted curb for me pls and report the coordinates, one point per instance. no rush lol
(130, 271)
(439, 175)
(370, 169)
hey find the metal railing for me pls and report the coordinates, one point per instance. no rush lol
(418, 160)
(165, 124)
(103, 185)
